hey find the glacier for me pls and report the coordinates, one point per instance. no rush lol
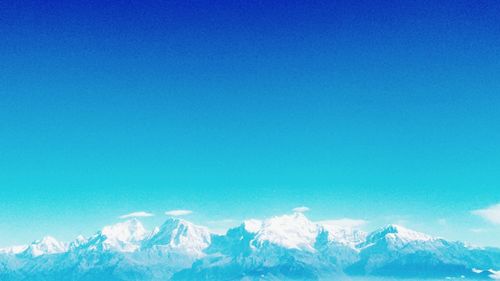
(287, 247)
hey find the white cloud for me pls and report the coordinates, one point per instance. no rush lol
(177, 213)
(442, 222)
(301, 209)
(344, 223)
(477, 230)
(495, 275)
(140, 214)
(491, 214)
(475, 270)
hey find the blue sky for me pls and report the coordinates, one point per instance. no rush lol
(381, 111)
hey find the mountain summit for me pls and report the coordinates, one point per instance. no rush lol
(121, 237)
(179, 235)
(46, 246)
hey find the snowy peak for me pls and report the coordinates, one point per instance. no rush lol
(179, 234)
(131, 230)
(396, 232)
(13, 250)
(294, 231)
(47, 245)
(79, 241)
(252, 225)
(120, 237)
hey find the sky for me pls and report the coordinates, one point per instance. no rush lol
(371, 111)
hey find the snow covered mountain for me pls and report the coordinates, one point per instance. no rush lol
(46, 246)
(13, 249)
(281, 247)
(179, 235)
(121, 237)
(396, 251)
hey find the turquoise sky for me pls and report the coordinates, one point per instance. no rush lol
(382, 111)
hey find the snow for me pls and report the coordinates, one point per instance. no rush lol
(179, 234)
(13, 249)
(252, 225)
(296, 231)
(289, 231)
(131, 230)
(47, 245)
(287, 241)
(79, 241)
(121, 237)
(397, 232)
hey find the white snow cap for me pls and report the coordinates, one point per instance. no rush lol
(122, 237)
(13, 249)
(252, 225)
(131, 230)
(289, 231)
(393, 231)
(47, 245)
(179, 234)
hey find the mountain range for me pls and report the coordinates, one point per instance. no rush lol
(279, 248)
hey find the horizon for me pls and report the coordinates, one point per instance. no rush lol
(339, 223)
(374, 112)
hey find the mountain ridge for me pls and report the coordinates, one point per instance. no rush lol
(287, 246)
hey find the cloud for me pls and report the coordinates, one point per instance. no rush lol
(177, 213)
(491, 214)
(495, 275)
(301, 209)
(477, 230)
(140, 214)
(344, 223)
(442, 222)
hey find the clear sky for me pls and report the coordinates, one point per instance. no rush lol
(386, 111)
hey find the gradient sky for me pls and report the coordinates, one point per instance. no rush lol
(387, 111)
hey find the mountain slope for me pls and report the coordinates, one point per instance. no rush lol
(397, 251)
